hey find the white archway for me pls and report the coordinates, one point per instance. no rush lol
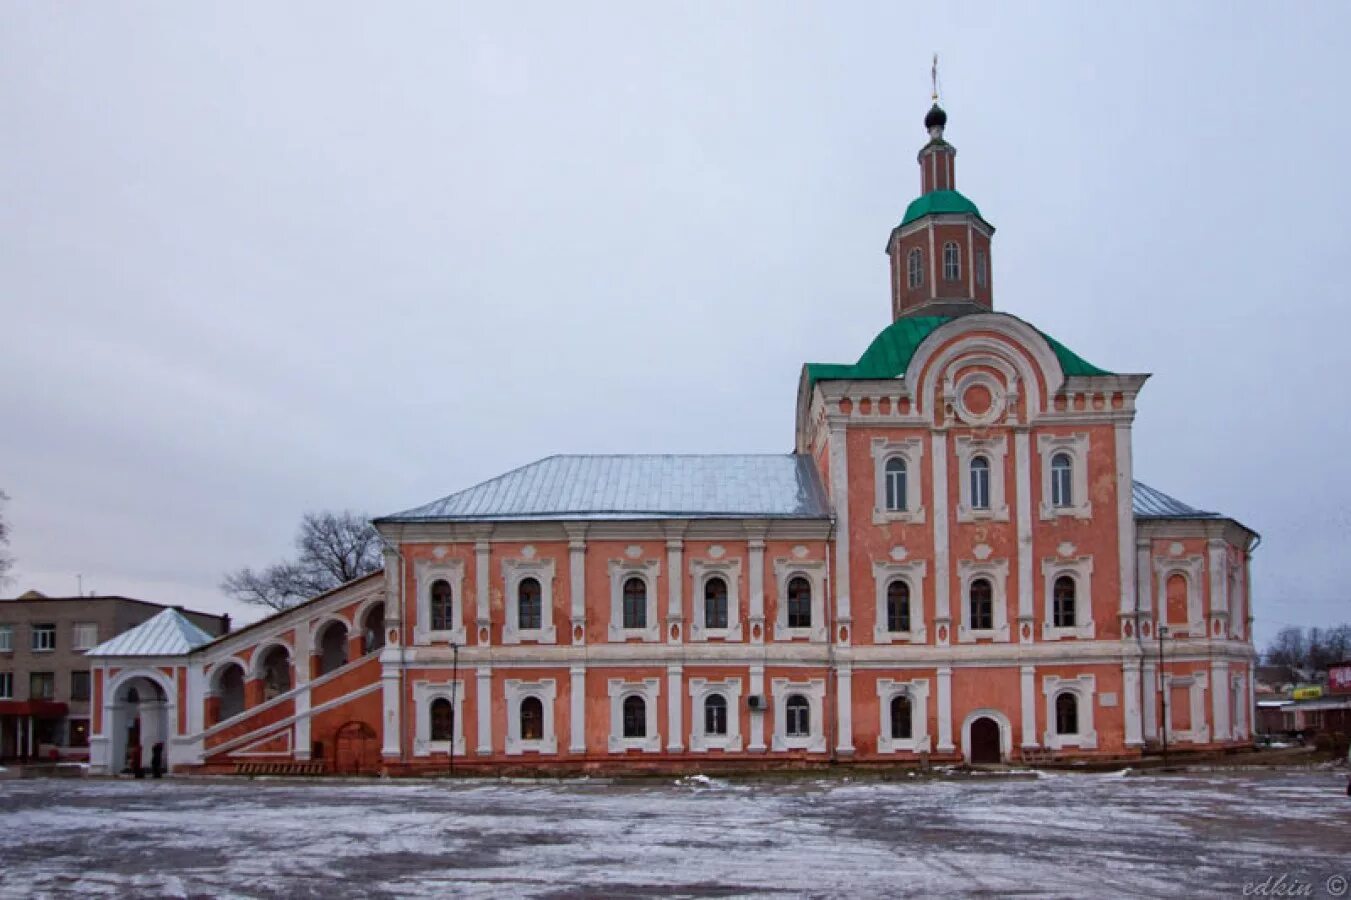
(140, 710)
(1005, 733)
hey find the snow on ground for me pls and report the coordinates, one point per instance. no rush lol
(1052, 834)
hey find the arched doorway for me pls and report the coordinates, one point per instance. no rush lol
(140, 720)
(355, 749)
(985, 740)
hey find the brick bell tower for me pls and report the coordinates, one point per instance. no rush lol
(940, 253)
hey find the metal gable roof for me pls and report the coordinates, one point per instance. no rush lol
(640, 486)
(166, 634)
(1148, 503)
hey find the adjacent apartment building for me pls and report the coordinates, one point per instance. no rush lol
(44, 675)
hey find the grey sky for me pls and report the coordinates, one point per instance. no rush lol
(257, 259)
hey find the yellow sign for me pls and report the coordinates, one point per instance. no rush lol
(1307, 693)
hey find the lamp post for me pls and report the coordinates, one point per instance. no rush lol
(454, 712)
(1163, 693)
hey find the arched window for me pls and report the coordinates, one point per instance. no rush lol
(443, 604)
(715, 603)
(529, 605)
(952, 261)
(635, 603)
(915, 266)
(635, 717)
(332, 647)
(894, 476)
(230, 690)
(715, 714)
(798, 713)
(980, 483)
(901, 726)
(1061, 470)
(898, 606)
(276, 673)
(532, 719)
(443, 720)
(982, 268)
(1066, 713)
(1063, 604)
(373, 629)
(799, 603)
(982, 605)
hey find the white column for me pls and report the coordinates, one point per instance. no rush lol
(1149, 699)
(1130, 702)
(302, 707)
(1144, 585)
(844, 703)
(1028, 685)
(942, 571)
(1220, 694)
(675, 582)
(945, 744)
(757, 743)
(577, 714)
(1240, 695)
(1125, 522)
(675, 731)
(1022, 463)
(577, 582)
(483, 702)
(1197, 695)
(756, 590)
(389, 682)
(304, 664)
(482, 589)
(839, 481)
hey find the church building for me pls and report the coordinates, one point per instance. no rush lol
(954, 563)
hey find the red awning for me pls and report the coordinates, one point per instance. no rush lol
(42, 709)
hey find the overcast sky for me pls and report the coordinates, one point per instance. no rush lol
(257, 259)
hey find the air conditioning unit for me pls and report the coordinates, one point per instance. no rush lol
(755, 701)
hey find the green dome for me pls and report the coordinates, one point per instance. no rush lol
(939, 202)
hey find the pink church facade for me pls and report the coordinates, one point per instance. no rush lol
(955, 563)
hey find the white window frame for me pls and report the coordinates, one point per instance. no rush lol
(912, 573)
(650, 690)
(956, 261)
(785, 570)
(914, 268)
(911, 451)
(814, 690)
(1076, 446)
(90, 629)
(47, 629)
(1196, 683)
(982, 268)
(425, 573)
(1084, 687)
(6, 638)
(1081, 570)
(918, 692)
(516, 692)
(997, 572)
(995, 450)
(424, 692)
(514, 571)
(622, 570)
(701, 741)
(1192, 569)
(729, 570)
(6, 685)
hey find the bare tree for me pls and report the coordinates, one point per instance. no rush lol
(334, 548)
(1310, 649)
(1288, 648)
(6, 558)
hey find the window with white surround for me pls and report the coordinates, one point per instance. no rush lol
(529, 587)
(43, 638)
(85, 635)
(900, 602)
(1067, 585)
(915, 268)
(6, 638)
(952, 261)
(530, 716)
(1064, 475)
(903, 708)
(1196, 684)
(440, 601)
(1190, 569)
(435, 720)
(984, 599)
(717, 599)
(982, 268)
(798, 709)
(801, 593)
(6, 685)
(898, 465)
(633, 600)
(1069, 711)
(981, 485)
(633, 715)
(715, 707)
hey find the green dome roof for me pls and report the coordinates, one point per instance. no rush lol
(939, 202)
(890, 352)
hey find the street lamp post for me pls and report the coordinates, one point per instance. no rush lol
(1163, 693)
(454, 711)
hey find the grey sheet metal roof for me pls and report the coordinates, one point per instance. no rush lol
(655, 486)
(166, 634)
(1149, 503)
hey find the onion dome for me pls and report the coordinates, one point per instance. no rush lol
(936, 118)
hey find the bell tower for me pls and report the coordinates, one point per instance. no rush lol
(940, 253)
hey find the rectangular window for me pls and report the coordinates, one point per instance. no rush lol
(86, 635)
(44, 638)
(6, 685)
(79, 685)
(41, 686)
(79, 733)
(6, 638)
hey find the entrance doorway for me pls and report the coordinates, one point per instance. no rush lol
(985, 741)
(355, 749)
